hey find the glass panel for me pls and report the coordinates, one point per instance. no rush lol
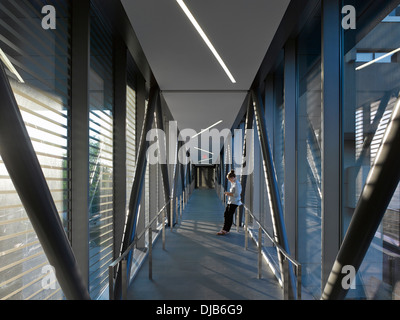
(369, 94)
(100, 154)
(130, 132)
(279, 130)
(258, 177)
(309, 155)
(41, 57)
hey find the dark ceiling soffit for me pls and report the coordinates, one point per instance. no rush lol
(165, 108)
(123, 28)
(242, 113)
(292, 22)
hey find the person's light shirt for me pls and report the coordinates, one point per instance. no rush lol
(236, 189)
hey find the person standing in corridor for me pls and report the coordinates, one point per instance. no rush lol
(232, 203)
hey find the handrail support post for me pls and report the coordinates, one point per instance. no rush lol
(171, 222)
(237, 219)
(246, 229)
(111, 282)
(285, 279)
(124, 279)
(176, 209)
(163, 228)
(298, 282)
(259, 252)
(150, 253)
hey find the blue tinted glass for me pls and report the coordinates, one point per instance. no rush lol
(370, 90)
(309, 154)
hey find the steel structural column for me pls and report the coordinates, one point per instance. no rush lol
(331, 135)
(271, 182)
(290, 151)
(163, 155)
(138, 181)
(381, 183)
(79, 143)
(246, 148)
(26, 173)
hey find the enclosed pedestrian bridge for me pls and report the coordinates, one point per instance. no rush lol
(120, 120)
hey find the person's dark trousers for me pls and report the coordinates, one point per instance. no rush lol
(228, 216)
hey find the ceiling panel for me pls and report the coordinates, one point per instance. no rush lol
(194, 85)
(198, 111)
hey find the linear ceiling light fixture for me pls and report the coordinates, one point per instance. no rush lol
(377, 59)
(202, 131)
(204, 151)
(205, 38)
(10, 66)
(204, 160)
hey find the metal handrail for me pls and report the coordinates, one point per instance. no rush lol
(126, 252)
(180, 203)
(285, 271)
(121, 259)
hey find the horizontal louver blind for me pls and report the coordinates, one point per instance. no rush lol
(100, 154)
(392, 215)
(381, 129)
(42, 59)
(130, 129)
(130, 134)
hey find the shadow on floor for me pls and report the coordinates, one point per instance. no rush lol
(199, 265)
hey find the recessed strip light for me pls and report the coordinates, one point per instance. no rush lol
(10, 66)
(202, 131)
(205, 38)
(204, 160)
(377, 59)
(204, 150)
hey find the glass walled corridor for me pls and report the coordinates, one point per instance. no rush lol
(293, 83)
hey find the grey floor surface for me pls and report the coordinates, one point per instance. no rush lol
(199, 265)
